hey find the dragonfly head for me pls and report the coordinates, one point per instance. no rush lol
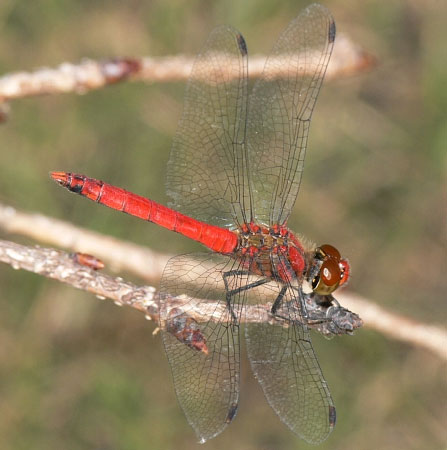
(329, 270)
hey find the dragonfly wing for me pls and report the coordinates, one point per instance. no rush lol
(284, 362)
(205, 169)
(280, 109)
(203, 353)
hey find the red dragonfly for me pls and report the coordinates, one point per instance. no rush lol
(233, 177)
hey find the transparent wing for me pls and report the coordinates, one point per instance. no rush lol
(203, 354)
(283, 361)
(280, 109)
(205, 171)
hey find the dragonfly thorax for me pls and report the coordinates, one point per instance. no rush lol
(276, 252)
(272, 251)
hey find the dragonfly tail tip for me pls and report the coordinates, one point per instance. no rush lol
(60, 177)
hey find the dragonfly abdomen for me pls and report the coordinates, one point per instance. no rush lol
(217, 239)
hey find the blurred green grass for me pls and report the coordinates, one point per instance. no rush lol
(77, 373)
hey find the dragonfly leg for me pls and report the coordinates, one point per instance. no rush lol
(278, 300)
(276, 304)
(232, 292)
(302, 303)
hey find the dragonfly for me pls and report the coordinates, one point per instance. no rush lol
(233, 177)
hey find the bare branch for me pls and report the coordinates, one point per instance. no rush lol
(347, 59)
(431, 337)
(66, 268)
(118, 254)
(151, 265)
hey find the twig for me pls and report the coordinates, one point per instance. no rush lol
(65, 267)
(56, 232)
(347, 59)
(120, 255)
(397, 327)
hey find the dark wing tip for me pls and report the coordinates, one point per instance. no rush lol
(331, 34)
(332, 416)
(242, 44)
(231, 412)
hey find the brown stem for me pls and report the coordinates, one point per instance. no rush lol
(120, 255)
(150, 265)
(347, 59)
(76, 270)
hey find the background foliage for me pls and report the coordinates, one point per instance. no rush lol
(76, 373)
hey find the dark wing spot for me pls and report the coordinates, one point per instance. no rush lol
(331, 35)
(231, 413)
(242, 44)
(332, 416)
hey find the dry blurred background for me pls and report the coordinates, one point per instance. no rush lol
(77, 373)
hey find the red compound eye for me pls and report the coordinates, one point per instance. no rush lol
(328, 279)
(330, 251)
(330, 273)
(333, 272)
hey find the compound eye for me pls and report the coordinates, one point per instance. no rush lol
(328, 279)
(330, 251)
(330, 273)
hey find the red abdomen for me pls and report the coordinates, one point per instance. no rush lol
(217, 239)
